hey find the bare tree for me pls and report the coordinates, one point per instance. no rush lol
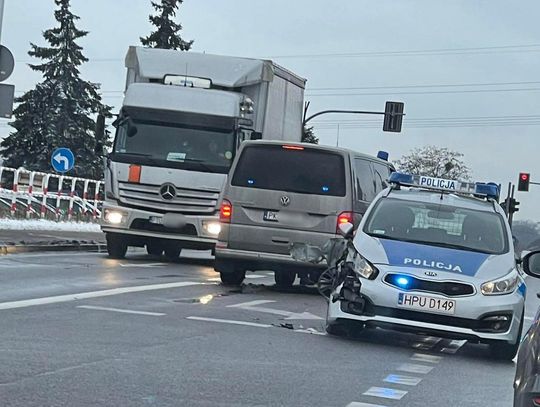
(435, 162)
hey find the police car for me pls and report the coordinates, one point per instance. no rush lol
(434, 256)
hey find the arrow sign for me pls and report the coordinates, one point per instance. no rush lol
(62, 160)
(254, 306)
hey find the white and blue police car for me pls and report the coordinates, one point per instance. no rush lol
(434, 256)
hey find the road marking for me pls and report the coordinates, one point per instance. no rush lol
(55, 254)
(402, 379)
(414, 368)
(420, 357)
(92, 294)
(255, 276)
(214, 279)
(312, 331)
(254, 306)
(143, 265)
(453, 346)
(123, 311)
(385, 392)
(358, 404)
(229, 321)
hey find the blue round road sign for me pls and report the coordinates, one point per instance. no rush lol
(62, 160)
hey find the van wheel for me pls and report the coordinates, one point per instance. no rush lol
(235, 278)
(154, 249)
(172, 252)
(116, 245)
(284, 279)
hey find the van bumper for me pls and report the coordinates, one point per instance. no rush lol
(250, 260)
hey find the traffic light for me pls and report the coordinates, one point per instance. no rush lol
(512, 208)
(523, 182)
(393, 116)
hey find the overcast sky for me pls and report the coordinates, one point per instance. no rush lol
(467, 70)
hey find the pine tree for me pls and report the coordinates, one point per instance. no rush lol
(308, 136)
(58, 112)
(167, 34)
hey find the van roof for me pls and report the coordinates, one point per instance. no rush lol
(318, 147)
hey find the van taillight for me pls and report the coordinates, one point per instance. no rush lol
(344, 217)
(225, 212)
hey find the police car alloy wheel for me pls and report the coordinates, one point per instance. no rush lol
(435, 255)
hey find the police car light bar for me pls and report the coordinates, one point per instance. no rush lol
(488, 190)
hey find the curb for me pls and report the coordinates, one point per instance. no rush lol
(14, 249)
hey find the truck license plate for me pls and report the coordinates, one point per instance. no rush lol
(428, 304)
(156, 220)
(270, 216)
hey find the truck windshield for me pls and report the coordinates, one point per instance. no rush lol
(438, 225)
(175, 146)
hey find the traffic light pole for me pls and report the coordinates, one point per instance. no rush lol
(1, 18)
(511, 213)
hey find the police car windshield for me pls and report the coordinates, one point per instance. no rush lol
(438, 225)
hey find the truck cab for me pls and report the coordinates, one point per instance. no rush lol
(183, 117)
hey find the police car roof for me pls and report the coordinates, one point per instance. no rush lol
(449, 198)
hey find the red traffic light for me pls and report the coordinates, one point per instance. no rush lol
(523, 181)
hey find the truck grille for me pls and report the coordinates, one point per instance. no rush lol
(188, 201)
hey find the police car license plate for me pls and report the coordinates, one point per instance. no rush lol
(270, 216)
(428, 304)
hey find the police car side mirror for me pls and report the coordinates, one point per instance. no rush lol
(346, 229)
(531, 264)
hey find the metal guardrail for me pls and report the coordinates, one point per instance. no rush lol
(42, 195)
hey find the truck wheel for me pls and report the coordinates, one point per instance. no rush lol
(172, 252)
(154, 249)
(284, 279)
(235, 278)
(116, 246)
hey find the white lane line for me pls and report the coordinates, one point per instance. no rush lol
(422, 346)
(253, 306)
(229, 321)
(143, 265)
(56, 254)
(414, 368)
(255, 276)
(453, 347)
(312, 331)
(420, 357)
(250, 303)
(92, 294)
(358, 404)
(385, 392)
(214, 279)
(402, 379)
(123, 311)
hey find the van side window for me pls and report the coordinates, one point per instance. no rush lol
(381, 172)
(365, 187)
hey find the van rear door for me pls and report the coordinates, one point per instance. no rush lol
(287, 193)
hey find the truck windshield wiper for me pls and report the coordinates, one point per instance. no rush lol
(149, 157)
(198, 161)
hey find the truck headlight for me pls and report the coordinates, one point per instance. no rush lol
(114, 217)
(362, 267)
(213, 228)
(501, 286)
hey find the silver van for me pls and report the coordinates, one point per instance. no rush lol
(278, 193)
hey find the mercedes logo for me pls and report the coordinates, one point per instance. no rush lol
(167, 191)
(430, 274)
(285, 200)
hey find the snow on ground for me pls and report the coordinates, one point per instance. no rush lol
(41, 224)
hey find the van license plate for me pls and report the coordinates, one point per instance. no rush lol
(424, 303)
(156, 220)
(270, 216)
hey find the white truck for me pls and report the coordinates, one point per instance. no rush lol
(182, 120)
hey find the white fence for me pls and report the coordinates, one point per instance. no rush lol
(32, 194)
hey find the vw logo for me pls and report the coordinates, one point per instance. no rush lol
(285, 200)
(167, 191)
(430, 274)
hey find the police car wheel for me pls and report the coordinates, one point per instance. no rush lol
(502, 350)
(337, 329)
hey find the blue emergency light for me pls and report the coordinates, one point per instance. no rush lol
(480, 189)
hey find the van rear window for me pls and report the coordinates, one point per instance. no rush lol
(305, 171)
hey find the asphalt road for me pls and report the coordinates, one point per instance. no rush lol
(79, 329)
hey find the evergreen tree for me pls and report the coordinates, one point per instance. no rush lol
(308, 136)
(167, 34)
(58, 112)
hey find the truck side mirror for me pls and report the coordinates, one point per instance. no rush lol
(531, 263)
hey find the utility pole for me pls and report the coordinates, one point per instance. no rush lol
(1, 18)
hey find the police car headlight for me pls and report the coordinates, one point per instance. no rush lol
(364, 268)
(503, 285)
